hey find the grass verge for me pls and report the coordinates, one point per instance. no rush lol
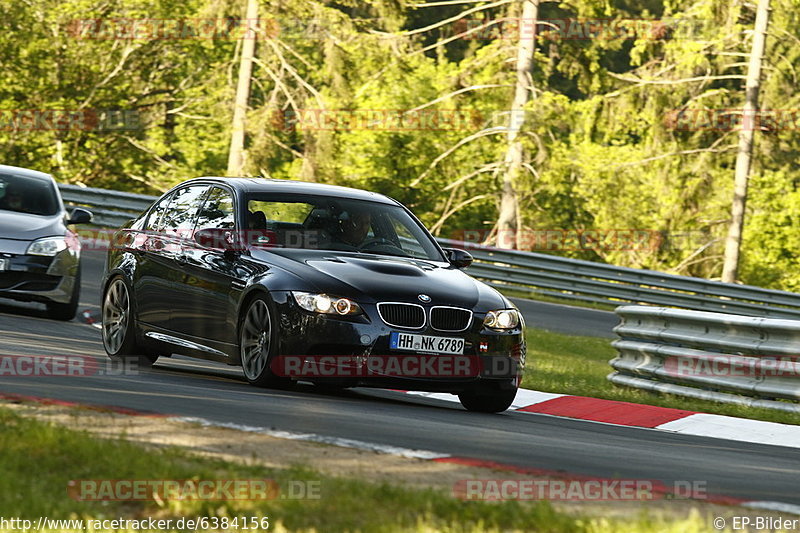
(577, 365)
(39, 459)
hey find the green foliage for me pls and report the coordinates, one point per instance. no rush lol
(604, 149)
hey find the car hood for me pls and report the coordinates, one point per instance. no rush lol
(372, 278)
(26, 227)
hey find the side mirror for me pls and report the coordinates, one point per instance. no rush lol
(457, 257)
(218, 239)
(79, 216)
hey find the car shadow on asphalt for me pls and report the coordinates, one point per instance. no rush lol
(227, 375)
(10, 307)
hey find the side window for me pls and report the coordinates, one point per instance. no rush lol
(180, 216)
(217, 211)
(293, 212)
(157, 214)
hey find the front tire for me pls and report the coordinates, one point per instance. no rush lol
(67, 311)
(119, 335)
(258, 343)
(488, 401)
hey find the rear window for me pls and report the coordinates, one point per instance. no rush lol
(24, 194)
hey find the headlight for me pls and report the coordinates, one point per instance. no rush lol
(48, 246)
(502, 319)
(323, 303)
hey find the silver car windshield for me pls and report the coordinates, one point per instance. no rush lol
(24, 194)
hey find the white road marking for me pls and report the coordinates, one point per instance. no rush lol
(732, 428)
(774, 506)
(312, 437)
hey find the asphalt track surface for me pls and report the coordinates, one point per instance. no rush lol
(183, 387)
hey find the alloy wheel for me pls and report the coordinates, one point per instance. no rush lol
(116, 313)
(256, 339)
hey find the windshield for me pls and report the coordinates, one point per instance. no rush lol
(27, 195)
(330, 223)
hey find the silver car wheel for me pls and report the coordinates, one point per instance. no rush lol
(255, 339)
(116, 313)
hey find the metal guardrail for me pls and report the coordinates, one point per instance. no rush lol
(110, 208)
(711, 356)
(581, 280)
(538, 274)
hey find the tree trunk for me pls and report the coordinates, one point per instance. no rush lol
(733, 242)
(236, 153)
(507, 220)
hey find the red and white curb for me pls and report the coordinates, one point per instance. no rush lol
(660, 490)
(24, 398)
(647, 416)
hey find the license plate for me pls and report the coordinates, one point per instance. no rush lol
(3, 264)
(410, 342)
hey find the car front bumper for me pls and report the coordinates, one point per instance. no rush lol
(33, 278)
(356, 351)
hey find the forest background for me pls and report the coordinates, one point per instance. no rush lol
(631, 119)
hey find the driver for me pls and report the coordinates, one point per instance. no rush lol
(12, 200)
(354, 226)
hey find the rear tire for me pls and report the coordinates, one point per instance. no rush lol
(258, 344)
(67, 311)
(119, 334)
(488, 401)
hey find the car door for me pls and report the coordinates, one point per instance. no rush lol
(162, 275)
(213, 277)
(153, 269)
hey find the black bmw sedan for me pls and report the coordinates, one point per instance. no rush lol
(39, 254)
(299, 281)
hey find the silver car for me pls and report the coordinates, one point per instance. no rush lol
(39, 254)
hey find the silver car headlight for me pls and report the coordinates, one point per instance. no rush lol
(49, 246)
(326, 304)
(502, 319)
